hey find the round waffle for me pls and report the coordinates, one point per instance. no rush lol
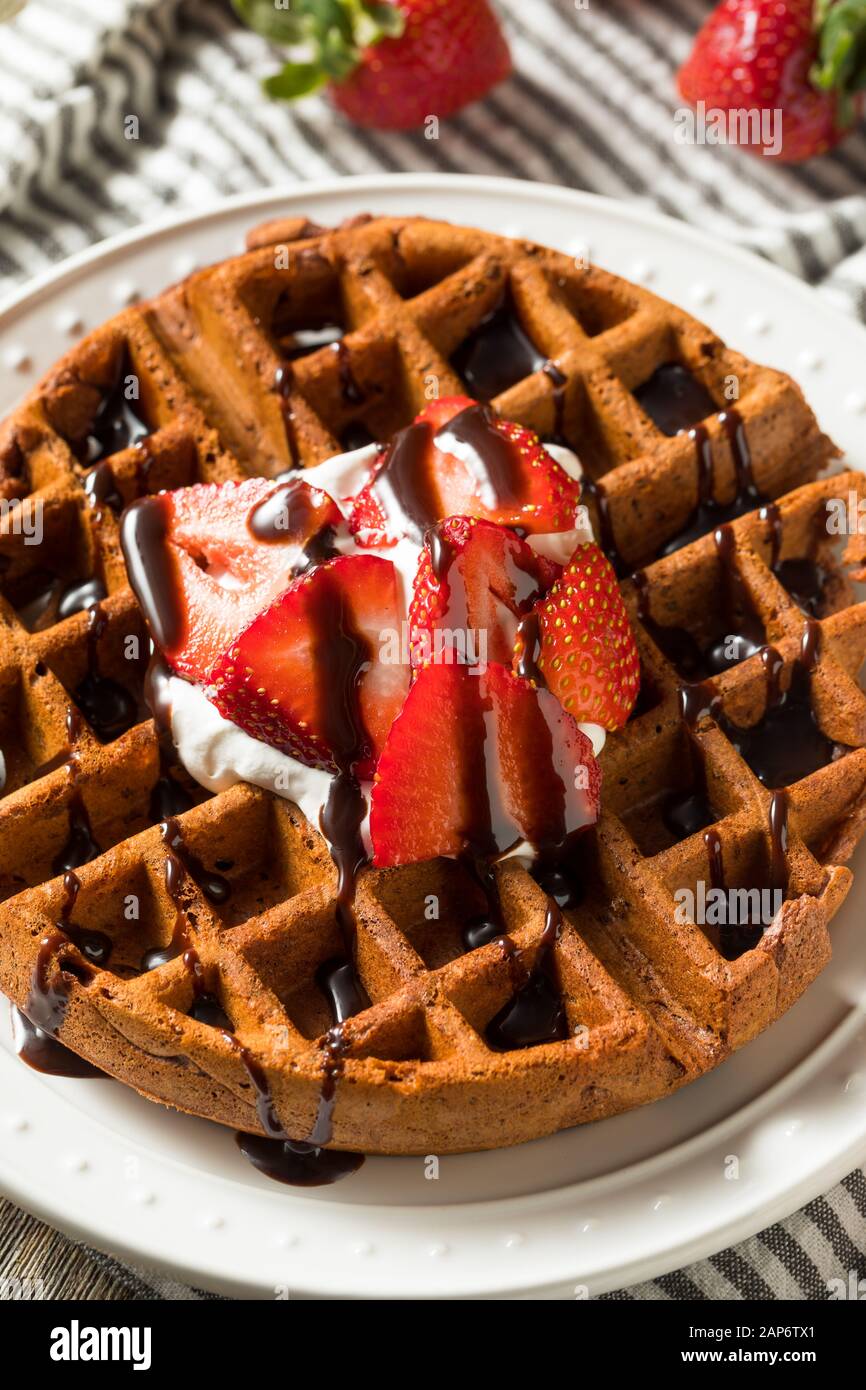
(204, 987)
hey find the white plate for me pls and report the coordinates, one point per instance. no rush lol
(592, 1209)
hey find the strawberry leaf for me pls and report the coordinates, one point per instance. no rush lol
(329, 35)
(338, 58)
(262, 16)
(389, 20)
(295, 80)
(841, 62)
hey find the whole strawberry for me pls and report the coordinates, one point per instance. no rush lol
(804, 58)
(387, 65)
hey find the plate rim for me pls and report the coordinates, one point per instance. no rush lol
(678, 1252)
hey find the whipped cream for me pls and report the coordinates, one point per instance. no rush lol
(343, 475)
(218, 754)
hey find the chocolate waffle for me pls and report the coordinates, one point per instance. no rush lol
(188, 943)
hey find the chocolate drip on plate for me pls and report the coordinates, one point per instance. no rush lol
(300, 1163)
(45, 1054)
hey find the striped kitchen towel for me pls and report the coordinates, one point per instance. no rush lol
(591, 105)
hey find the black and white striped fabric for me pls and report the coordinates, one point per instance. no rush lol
(591, 105)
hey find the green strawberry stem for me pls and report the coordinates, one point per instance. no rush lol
(329, 35)
(841, 60)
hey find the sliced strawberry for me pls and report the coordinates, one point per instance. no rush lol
(441, 411)
(227, 550)
(460, 459)
(474, 581)
(480, 761)
(586, 651)
(318, 674)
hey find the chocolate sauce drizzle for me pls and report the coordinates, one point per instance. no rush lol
(594, 488)
(100, 486)
(339, 982)
(674, 399)
(285, 517)
(181, 863)
(488, 925)
(686, 812)
(497, 354)
(495, 461)
(536, 1013)
(151, 569)
(558, 381)
(80, 846)
(710, 514)
(743, 632)
(405, 480)
(735, 938)
(284, 380)
(341, 655)
(349, 388)
(786, 744)
(118, 423)
(802, 577)
(529, 645)
(108, 708)
(59, 600)
(48, 999)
